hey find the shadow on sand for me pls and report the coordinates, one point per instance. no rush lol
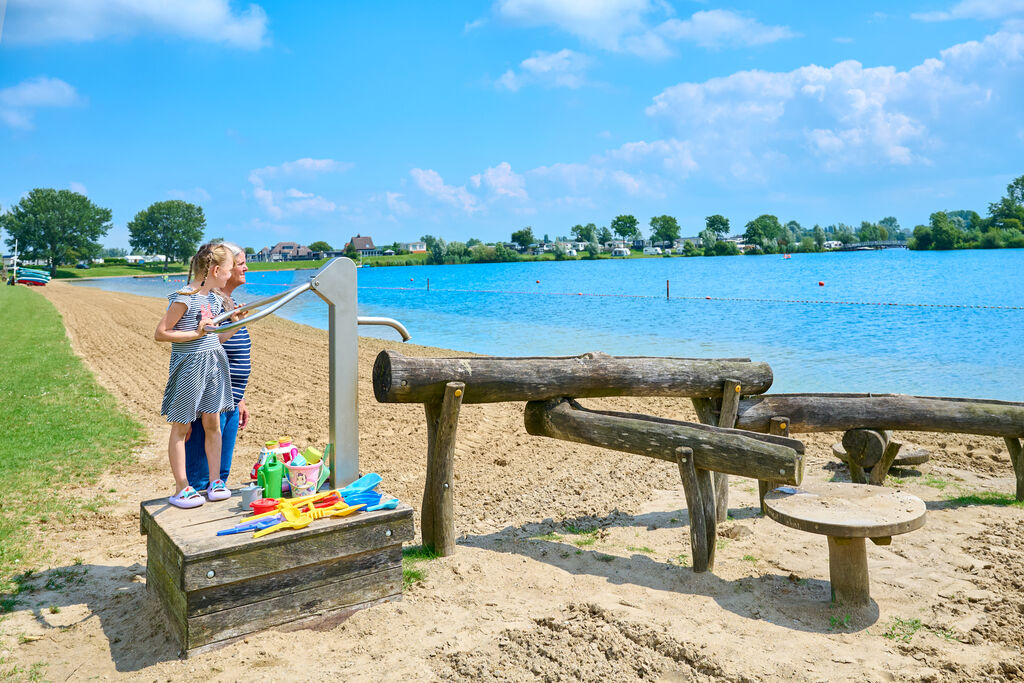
(786, 600)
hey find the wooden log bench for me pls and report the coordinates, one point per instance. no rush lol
(865, 413)
(216, 589)
(444, 384)
(847, 514)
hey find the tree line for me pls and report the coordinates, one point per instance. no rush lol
(63, 227)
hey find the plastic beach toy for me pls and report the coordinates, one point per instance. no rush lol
(364, 483)
(389, 505)
(270, 477)
(303, 478)
(263, 505)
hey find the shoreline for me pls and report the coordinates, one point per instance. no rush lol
(570, 560)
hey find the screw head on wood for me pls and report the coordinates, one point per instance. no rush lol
(210, 574)
(458, 392)
(405, 383)
(782, 426)
(446, 485)
(737, 388)
(388, 532)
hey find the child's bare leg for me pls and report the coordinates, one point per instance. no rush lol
(211, 425)
(176, 455)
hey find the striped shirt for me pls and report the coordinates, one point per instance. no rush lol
(189, 321)
(238, 348)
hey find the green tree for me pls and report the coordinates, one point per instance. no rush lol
(871, 232)
(593, 248)
(524, 237)
(807, 244)
(249, 251)
(604, 235)
(472, 242)
(726, 248)
(320, 245)
(892, 226)
(664, 229)
(626, 227)
(708, 238)
(690, 249)
(717, 224)
(945, 234)
(437, 253)
(584, 233)
(58, 225)
(350, 251)
(922, 238)
(428, 240)
(173, 228)
(819, 238)
(764, 231)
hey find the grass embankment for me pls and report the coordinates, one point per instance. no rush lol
(60, 428)
(118, 270)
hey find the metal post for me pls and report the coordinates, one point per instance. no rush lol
(336, 285)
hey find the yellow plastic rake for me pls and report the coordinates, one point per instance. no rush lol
(303, 519)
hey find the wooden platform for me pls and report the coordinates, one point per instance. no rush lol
(215, 589)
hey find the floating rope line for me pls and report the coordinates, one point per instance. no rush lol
(697, 298)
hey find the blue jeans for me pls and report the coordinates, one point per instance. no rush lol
(196, 469)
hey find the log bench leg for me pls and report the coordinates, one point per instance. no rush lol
(848, 571)
(780, 427)
(1017, 458)
(437, 518)
(700, 506)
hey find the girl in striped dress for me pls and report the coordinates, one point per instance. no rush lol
(199, 384)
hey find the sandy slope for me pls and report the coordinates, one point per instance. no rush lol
(510, 605)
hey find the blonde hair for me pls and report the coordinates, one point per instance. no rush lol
(208, 255)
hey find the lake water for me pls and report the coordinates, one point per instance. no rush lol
(942, 338)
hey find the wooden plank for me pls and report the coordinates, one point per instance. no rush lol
(694, 509)
(274, 583)
(402, 379)
(840, 412)
(324, 620)
(443, 418)
(865, 446)
(162, 549)
(258, 616)
(170, 598)
(290, 550)
(719, 450)
(195, 535)
(706, 489)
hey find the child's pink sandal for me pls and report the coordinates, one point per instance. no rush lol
(186, 499)
(217, 490)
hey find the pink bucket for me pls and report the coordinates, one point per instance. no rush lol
(303, 478)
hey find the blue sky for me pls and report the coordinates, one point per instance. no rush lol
(311, 120)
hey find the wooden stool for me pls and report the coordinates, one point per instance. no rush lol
(847, 514)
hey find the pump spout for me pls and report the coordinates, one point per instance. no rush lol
(389, 322)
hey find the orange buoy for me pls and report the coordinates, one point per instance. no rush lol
(538, 282)
(707, 297)
(821, 283)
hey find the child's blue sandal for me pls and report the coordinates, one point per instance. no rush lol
(186, 499)
(218, 491)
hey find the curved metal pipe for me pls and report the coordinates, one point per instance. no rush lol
(280, 299)
(389, 322)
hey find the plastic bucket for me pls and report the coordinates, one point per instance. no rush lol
(303, 479)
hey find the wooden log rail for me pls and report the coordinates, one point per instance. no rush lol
(867, 418)
(405, 379)
(697, 449)
(444, 384)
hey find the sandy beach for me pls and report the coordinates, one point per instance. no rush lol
(515, 602)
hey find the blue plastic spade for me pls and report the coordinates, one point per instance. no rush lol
(363, 498)
(388, 505)
(256, 525)
(364, 483)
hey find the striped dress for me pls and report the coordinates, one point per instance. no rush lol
(199, 378)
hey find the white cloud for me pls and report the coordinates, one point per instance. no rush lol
(19, 102)
(396, 204)
(502, 181)
(975, 9)
(431, 183)
(564, 69)
(47, 21)
(78, 187)
(291, 201)
(723, 28)
(196, 194)
(473, 25)
(632, 25)
(846, 114)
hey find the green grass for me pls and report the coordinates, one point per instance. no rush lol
(987, 498)
(286, 265)
(60, 428)
(412, 556)
(104, 270)
(640, 549)
(902, 629)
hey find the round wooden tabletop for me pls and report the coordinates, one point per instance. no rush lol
(845, 510)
